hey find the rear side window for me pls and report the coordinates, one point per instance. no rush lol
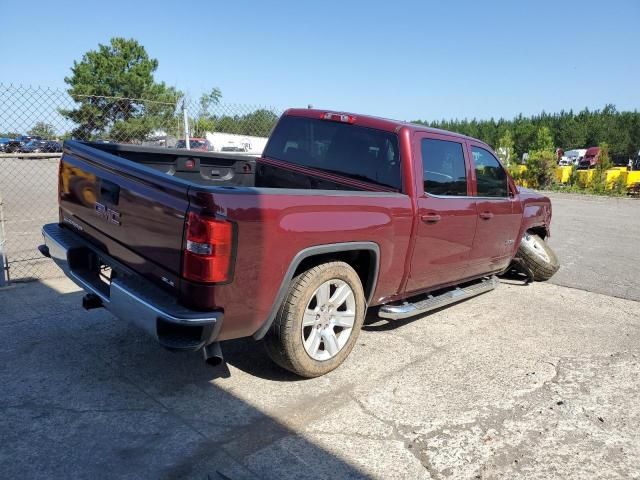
(491, 177)
(356, 152)
(443, 167)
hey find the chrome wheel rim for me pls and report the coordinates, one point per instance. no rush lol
(328, 319)
(535, 244)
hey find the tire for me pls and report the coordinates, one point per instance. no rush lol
(315, 299)
(538, 257)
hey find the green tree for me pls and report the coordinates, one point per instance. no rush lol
(541, 168)
(544, 140)
(258, 123)
(205, 121)
(117, 94)
(506, 148)
(9, 134)
(200, 126)
(541, 164)
(566, 129)
(599, 182)
(209, 99)
(42, 129)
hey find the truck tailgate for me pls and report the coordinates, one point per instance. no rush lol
(123, 206)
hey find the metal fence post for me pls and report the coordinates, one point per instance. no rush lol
(185, 115)
(4, 280)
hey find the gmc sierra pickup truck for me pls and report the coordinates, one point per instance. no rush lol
(341, 213)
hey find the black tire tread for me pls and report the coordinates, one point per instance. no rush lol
(278, 339)
(542, 270)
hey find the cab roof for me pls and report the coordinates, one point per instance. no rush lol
(375, 122)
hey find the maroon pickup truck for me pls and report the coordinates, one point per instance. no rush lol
(341, 213)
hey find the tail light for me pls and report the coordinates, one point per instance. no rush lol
(338, 117)
(207, 256)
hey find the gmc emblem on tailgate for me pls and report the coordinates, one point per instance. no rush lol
(108, 214)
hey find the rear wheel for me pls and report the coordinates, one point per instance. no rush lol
(319, 320)
(537, 255)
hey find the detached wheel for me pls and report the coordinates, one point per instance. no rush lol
(538, 257)
(319, 320)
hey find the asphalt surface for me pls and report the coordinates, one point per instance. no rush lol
(598, 242)
(537, 381)
(28, 190)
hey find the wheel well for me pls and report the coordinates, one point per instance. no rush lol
(364, 262)
(540, 231)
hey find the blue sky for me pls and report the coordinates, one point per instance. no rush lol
(407, 60)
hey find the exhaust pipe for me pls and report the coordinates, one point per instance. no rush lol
(213, 354)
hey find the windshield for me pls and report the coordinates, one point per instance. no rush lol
(356, 152)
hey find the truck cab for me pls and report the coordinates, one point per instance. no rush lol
(591, 158)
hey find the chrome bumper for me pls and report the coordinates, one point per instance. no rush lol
(128, 295)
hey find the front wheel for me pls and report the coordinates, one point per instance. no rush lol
(319, 321)
(538, 257)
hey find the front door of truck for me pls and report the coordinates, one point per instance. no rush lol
(499, 214)
(447, 213)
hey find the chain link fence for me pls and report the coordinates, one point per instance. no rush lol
(34, 121)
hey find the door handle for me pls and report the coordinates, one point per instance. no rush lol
(430, 218)
(486, 215)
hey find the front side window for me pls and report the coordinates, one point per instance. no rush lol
(444, 171)
(490, 176)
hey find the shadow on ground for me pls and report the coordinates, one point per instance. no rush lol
(87, 396)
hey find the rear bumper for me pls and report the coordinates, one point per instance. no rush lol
(128, 295)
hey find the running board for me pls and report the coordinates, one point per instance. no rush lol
(397, 312)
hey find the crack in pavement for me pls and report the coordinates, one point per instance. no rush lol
(398, 435)
(488, 444)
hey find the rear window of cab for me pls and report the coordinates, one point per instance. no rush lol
(352, 151)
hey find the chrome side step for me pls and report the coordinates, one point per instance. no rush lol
(397, 312)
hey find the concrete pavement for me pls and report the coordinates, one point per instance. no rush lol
(536, 381)
(523, 382)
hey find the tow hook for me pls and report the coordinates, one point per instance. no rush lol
(91, 301)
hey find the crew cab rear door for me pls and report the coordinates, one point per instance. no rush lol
(499, 213)
(446, 211)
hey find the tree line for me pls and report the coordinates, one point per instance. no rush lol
(567, 130)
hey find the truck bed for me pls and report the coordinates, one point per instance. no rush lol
(215, 169)
(131, 203)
